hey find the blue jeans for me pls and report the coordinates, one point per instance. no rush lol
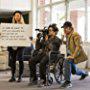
(70, 68)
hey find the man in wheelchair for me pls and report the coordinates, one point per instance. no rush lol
(51, 43)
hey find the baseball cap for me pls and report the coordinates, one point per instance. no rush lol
(67, 24)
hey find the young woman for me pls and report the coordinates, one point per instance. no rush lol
(15, 53)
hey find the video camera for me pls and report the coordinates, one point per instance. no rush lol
(42, 32)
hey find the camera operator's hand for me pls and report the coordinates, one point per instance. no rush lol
(46, 37)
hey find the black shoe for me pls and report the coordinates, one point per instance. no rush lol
(66, 84)
(83, 76)
(12, 80)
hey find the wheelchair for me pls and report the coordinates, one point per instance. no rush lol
(27, 53)
(55, 66)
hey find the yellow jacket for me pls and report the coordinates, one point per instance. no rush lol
(74, 39)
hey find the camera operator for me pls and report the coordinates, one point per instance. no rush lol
(50, 42)
(36, 57)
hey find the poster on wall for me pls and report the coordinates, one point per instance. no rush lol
(14, 34)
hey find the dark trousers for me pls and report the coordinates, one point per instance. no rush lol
(34, 60)
(13, 66)
(49, 58)
(43, 67)
(21, 68)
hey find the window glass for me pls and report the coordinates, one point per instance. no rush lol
(43, 2)
(88, 36)
(43, 17)
(56, 0)
(58, 16)
(77, 16)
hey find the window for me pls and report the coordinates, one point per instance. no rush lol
(43, 17)
(56, 0)
(51, 12)
(77, 16)
(88, 33)
(43, 2)
(55, 11)
(47, 1)
(58, 16)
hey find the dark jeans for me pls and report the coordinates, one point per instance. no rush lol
(13, 68)
(43, 67)
(32, 65)
(44, 61)
(13, 56)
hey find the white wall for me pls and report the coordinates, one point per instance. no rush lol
(87, 49)
(22, 5)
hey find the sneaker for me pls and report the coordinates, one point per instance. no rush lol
(12, 80)
(83, 76)
(66, 84)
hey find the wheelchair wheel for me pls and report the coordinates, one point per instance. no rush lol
(58, 71)
(50, 80)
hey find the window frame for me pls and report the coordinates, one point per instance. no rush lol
(67, 13)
